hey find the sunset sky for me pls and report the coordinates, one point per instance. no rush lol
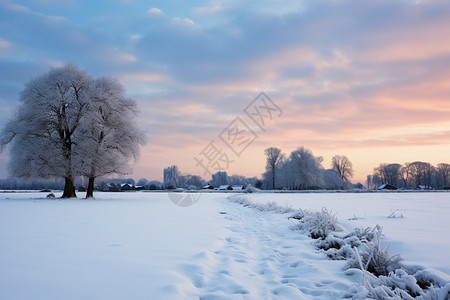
(365, 79)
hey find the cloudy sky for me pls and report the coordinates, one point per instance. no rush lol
(365, 79)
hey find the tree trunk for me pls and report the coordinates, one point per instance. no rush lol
(273, 178)
(69, 188)
(90, 189)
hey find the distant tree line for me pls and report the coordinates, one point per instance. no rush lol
(301, 170)
(173, 178)
(30, 184)
(417, 174)
(102, 184)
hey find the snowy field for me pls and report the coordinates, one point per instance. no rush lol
(141, 246)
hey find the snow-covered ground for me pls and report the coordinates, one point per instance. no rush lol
(141, 246)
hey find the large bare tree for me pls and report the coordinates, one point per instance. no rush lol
(67, 124)
(108, 138)
(42, 130)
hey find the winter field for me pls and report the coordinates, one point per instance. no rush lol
(141, 246)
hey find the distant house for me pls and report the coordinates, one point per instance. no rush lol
(208, 187)
(130, 187)
(423, 187)
(225, 187)
(387, 186)
(111, 187)
(126, 187)
(237, 187)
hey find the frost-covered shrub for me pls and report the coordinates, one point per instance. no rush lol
(318, 224)
(373, 258)
(399, 284)
(383, 277)
(363, 234)
(330, 242)
(298, 215)
(344, 253)
(427, 278)
(353, 241)
(337, 248)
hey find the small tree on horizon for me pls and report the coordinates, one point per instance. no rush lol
(444, 172)
(304, 169)
(274, 159)
(343, 166)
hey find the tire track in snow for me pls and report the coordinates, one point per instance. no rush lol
(260, 258)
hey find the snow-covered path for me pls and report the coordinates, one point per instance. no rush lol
(260, 258)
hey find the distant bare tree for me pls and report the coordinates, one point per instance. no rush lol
(444, 172)
(219, 178)
(332, 180)
(369, 181)
(343, 166)
(418, 170)
(195, 181)
(171, 176)
(376, 180)
(237, 180)
(274, 158)
(319, 160)
(392, 173)
(405, 173)
(305, 171)
(388, 173)
(429, 170)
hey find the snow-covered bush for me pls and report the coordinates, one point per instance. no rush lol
(330, 242)
(383, 277)
(318, 224)
(399, 284)
(364, 234)
(340, 247)
(427, 278)
(298, 215)
(373, 258)
(337, 248)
